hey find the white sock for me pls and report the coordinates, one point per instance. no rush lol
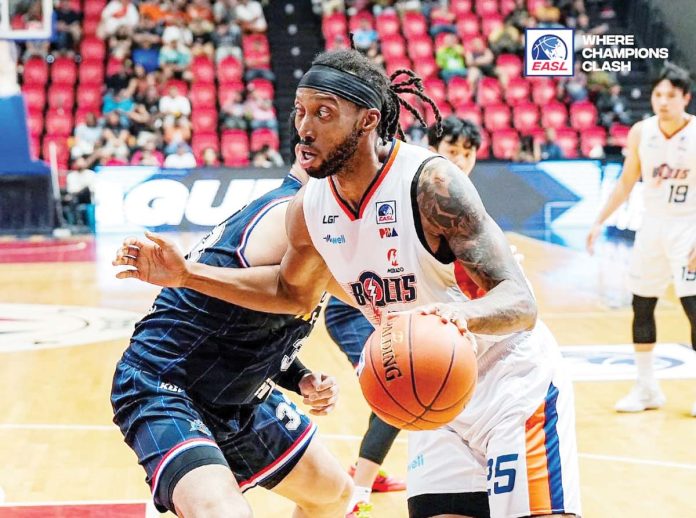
(360, 494)
(646, 373)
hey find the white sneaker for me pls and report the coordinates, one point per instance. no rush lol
(641, 398)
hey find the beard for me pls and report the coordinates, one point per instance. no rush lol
(337, 158)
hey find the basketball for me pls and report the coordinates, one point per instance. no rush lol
(419, 373)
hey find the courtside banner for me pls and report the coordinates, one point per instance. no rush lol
(132, 199)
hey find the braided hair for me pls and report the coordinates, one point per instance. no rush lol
(353, 62)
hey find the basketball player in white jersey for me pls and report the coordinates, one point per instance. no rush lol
(512, 451)
(661, 150)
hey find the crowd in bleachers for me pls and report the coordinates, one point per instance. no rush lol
(470, 55)
(174, 82)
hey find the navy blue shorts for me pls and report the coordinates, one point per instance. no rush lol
(348, 328)
(172, 435)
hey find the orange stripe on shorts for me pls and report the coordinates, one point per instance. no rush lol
(537, 469)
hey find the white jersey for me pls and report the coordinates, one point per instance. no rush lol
(377, 254)
(668, 169)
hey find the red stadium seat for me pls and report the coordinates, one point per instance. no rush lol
(396, 64)
(468, 26)
(509, 64)
(489, 91)
(93, 8)
(34, 145)
(35, 122)
(235, 148)
(506, 142)
(517, 91)
(227, 90)
(387, 24)
(81, 114)
(64, 71)
(91, 72)
(180, 85)
(525, 117)
(262, 87)
(92, 48)
(230, 69)
(201, 141)
(414, 24)
(356, 20)
(89, 96)
(333, 25)
(203, 70)
(203, 95)
(591, 138)
(444, 108)
(420, 47)
(406, 119)
(490, 23)
(567, 139)
(486, 7)
(61, 147)
(470, 112)
(90, 26)
(460, 7)
(554, 115)
(59, 122)
(204, 121)
(484, 151)
(264, 136)
(255, 41)
(61, 96)
(35, 72)
(496, 117)
(583, 115)
(506, 7)
(426, 68)
(393, 47)
(436, 89)
(34, 97)
(533, 5)
(470, 43)
(619, 134)
(458, 91)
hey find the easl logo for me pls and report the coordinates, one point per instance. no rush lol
(549, 52)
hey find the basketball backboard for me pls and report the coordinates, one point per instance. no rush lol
(26, 19)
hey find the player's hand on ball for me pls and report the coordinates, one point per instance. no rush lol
(320, 391)
(448, 313)
(156, 260)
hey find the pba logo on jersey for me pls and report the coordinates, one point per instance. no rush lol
(385, 232)
(386, 212)
(374, 290)
(27, 327)
(549, 52)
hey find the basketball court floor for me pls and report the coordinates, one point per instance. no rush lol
(64, 322)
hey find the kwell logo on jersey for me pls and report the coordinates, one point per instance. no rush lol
(335, 240)
(385, 232)
(549, 52)
(373, 290)
(386, 212)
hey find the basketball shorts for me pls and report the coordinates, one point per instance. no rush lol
(172, 435)
(348, 328)
(515, 440)
(660, 255)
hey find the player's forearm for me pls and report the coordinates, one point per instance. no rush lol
(617, 198)
(258, 288)
(507, 308)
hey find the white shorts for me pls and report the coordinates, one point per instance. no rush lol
(515, 440)
(660, 255)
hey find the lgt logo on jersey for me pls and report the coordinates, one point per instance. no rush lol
(549, 52)
(386, 212)
(329, 218)
(388, 232)
(371, 289)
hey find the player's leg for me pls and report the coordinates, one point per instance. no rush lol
(277, 451)
(349, 329)
(689, 305)
(185, 468)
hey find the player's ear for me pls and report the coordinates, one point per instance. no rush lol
(371, 120)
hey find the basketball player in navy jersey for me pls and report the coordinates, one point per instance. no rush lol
(512, 451)
(194, 392)
(459, 141)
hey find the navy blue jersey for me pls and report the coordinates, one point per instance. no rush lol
(219, 353)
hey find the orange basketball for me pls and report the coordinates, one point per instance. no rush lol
(418, 372)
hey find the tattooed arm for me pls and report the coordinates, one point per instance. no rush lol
(452, 213)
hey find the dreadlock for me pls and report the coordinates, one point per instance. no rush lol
(355, 63)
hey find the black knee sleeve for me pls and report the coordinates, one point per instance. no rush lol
(644, 330)
(689, 305)
(377, 440)
(466, 504)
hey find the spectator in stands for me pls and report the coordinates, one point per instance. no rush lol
(450, 58)
(479, 59)
(175, 104)
(442, 20)
(209, 158)
(201, 18)
(328, 7)
(375, 54)
(176, 31)
(151, 10)
(147, 37)
(68, 28)
(175, 133)
(119, 16)
(267, 157)
(575, 86)
(548, 15)
(548, 149)
(260, 113)
(115, 135)
(364, 36)
(506, 39)
(225, 11)
(613, 107)
(148, 155)
(250, 16)
(228, 41)
(234, 112)
(140, 123)
(519, 15)
(79, 193)
(525, 151)
(182, 159)
(87, 134)
(174, 59)
(121, 77)
(151, 101)
(121, 103)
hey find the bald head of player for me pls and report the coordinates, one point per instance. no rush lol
(671, 94)
(459, 141)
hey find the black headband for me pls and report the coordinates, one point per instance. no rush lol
(343, 84)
